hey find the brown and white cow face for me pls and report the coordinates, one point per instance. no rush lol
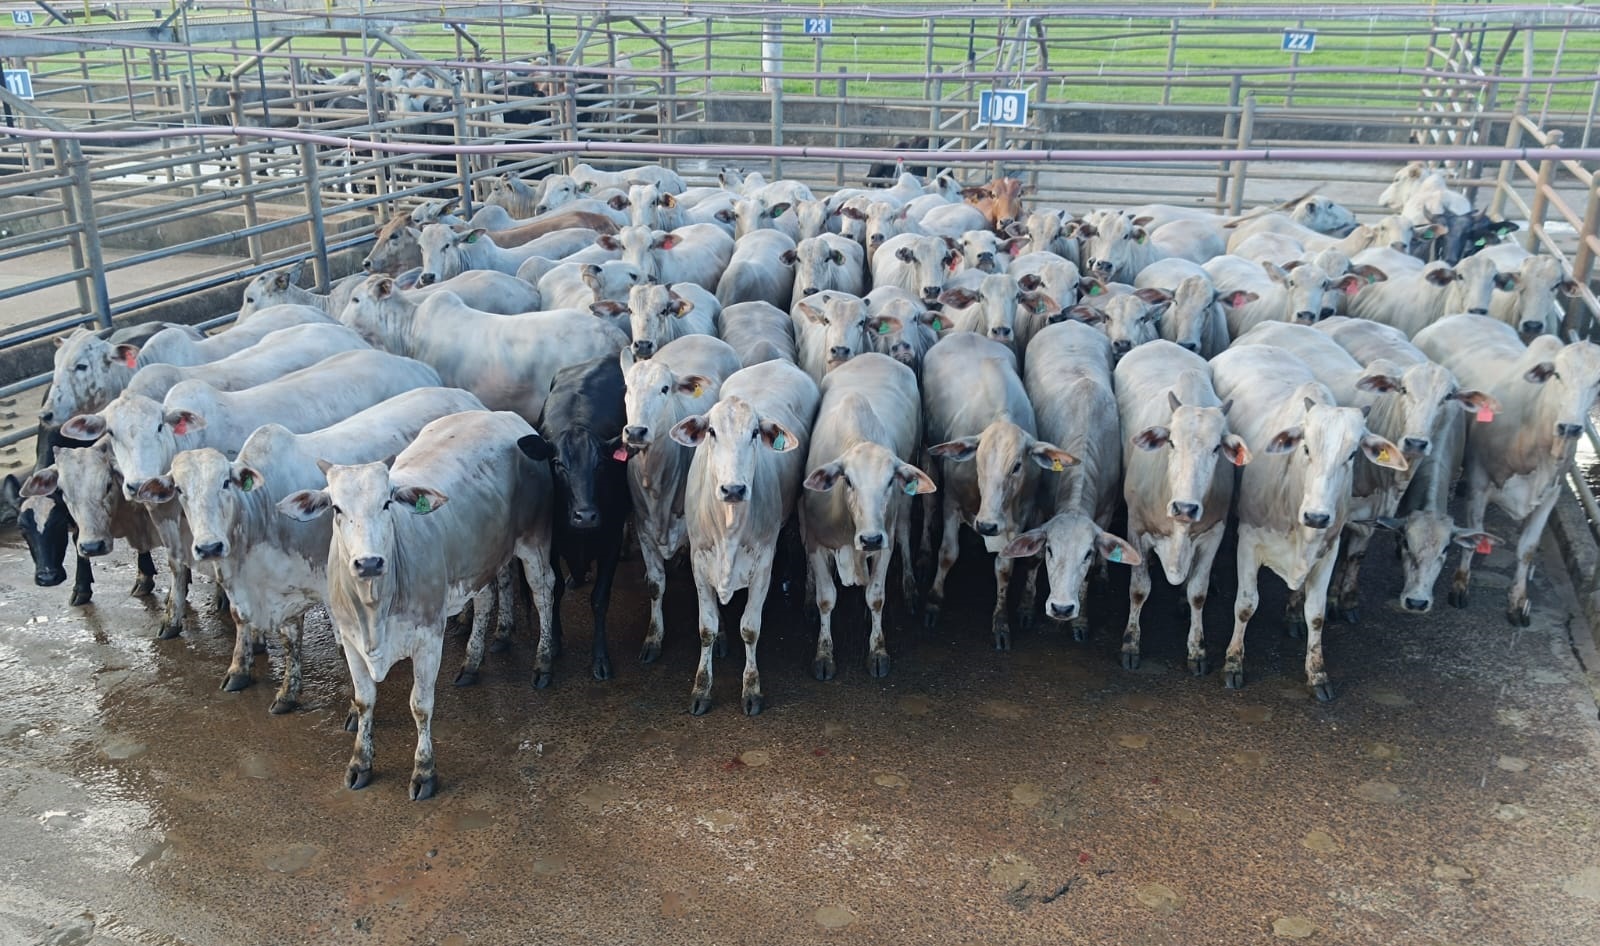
(1425, 538)
(652, 391)
(90, 487)
(211, 491)
(1070, 542)
(1007, 462)
(144, 437)
(651, 309)
(397, 248)
(89, 372)
(1000, 200)
(845, 325)
(1327, 441)
(1567, 379)
(873, 478)
(445, 252)
(729, 436)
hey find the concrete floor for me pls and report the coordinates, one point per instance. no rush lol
(1450, 795)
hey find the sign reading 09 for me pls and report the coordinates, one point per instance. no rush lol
(1005, 107)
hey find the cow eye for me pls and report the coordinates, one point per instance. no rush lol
(663, 389)
(337, 511)
(225, 484)
(387, 503)
(711, 432)
(80, 366)
(1016, 468)
(1087, 556)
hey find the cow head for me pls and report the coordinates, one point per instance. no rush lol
(556, 191)
(612, 280)
(1134, 319)
(447, 253)
(398, 247)
(1187, 320)
(1568, 379)
(873, 478)
(211, 491)
(1532, 290)
(756, 213)
(364, 502)
(1196, 436)
(1008, 461)
(1468, 287)
(1323, 448)
(45, 524)
(824, 263)
(907, 342)
(653, 395)
(578, 459)
(1305, 290)
(1425, 537)
(89, 372)
(730, 434)
(375, 312)
(144, 436)
(845, 325)
(1323, 215)
(1114, 244)
(651, 310)
(1070, 541)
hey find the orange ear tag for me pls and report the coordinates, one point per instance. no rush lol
(130, 358)
(1485, 415)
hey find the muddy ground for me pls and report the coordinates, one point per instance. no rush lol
(1450, 795)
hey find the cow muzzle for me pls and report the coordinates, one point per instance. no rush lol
(931, 293)
(733, 492)
(1101, 266)
(986, 262)
(49, 577)
(366, 265)
(1305, 317)
(839, 354)
(47, 417)
(208, 550)
(1000, 333)
(1063, 612)
(1569, 431)
(986, 527)
(1121, 347)
(1184, 512)
(1190, 346)
(426, 279)
(1478, 311)
(94, 549)
(644, 348)
(870, 542)
(585, 518)
(1528, 328)
(636, 437)
(1316, 520)
(1416, 446)
(1418, 605)
(367, 566)
(810, 291)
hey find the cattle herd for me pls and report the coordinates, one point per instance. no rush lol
(725, 369)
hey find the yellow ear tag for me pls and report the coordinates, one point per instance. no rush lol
(698, 390)
(1383, 455)
(1056, 465)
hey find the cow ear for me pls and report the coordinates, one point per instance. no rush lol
(1086, 314)
(1139, 235)
(1233, 450)
(680, 306)
(1370, 273)
(609, 242)
(1234, 300)
(823, 478)
(691, 430)
(184, 422)
(1475, 401)
(912, 481)
(1038, 302)
(1031, 282)
(625, 358)
(1350, 284)
(667, 241)
(590, 274)
(1481, 542)
(1226, 407)
(904, 255)
(811, 312)
(975, 193)
(884, 325)
(1286, 440)
(725, 215)
(535, 447)
(1383, 453)
(418, 499)
(1505, 281)
(157, 490)
(1275, 272)
(1090, 286)
(1172, 400)
(1152, 438)
(84, 427)
(1568, 287)
(246, 478)
(1538, 374)
(1441, 276)
(1026, 545)
(383, 287)
(778, 437)
(608, 308)
(474, 235)
(618, 202)
(958, 450)
(1381, 383)
(280, 281)
(667, 200)
(43, 482)
(128, 355)
(959, 298)
(1117, 549)
(1051, 457)
(788, 257)
(1153, 296)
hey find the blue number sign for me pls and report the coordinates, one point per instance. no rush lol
(1299, 41)
(1005, 107)
(19, 82)
(818, 25)
(22, 17)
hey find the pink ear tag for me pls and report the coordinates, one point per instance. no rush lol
(130, 358)
(1484, 547)
(1485, 415)
(181, 427)
(620, 455)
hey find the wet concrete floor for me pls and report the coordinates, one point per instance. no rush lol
(1451, 794)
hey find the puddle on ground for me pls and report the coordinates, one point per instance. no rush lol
(61, 819)
(890, 780)
(1381, 750)
(597, 797)
(915, 705)
(1027, 794)
(1160, 898)
(1293, 927)
(719, 821)
(674, 904)
(1509, 812)
(1452, 873)
(1510, 763)
(1585, 884)
(1322, 842)
(755, 758)
(292, 859)
(1378, 791)
(1390, 698)
(1001, 709)
(1133, 741)
(1182, 814)
(255, 766)
(549, 864)
(1253, 714)
(834, 917)
(119, 748)
(1141, 702)
(1249, 758)
(1012, 871)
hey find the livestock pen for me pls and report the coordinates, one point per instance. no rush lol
(1043, 795)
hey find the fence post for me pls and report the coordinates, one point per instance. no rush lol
(1230, 128)
(935, 113)
(1534, 239)
(1172, 60)
(1583, 262)
(88, 236)
(777, 126)
(1247, 127)
(838, 123)
(318, 233)
(458, 103)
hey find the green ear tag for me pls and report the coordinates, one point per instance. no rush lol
(778, 442)
(247, 482)
(911, 488)
(937, 325)
(883, 328)
(1116, 554)
(424, 504)
(1094, 290)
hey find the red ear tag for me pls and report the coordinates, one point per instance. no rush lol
(1484, 547)
(181, 427)
(1016, 249)
(130, 358)
(1485, 415)
(620, 455)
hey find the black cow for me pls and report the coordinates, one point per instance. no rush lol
(581, 437)
(884, 174)
(1461, 235)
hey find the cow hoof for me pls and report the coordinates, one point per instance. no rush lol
(1350, 615)
(1080, 632)
(720, 647)
(1324, 692)
(1458, 597)
(823, 668)
(1233, 679)
(541, 680)
(650, 652)
(752, 704)
(878, 665)
(356, 778)
(1198, 666)
(602, 668)
(499, 645)
(235, 681)
(423, 787)
(282, 705)
(80, 596)
(1130, 660)
(352, 721)
(169, 631)
(700, 705)
(1520, 615)
(466, 678)
(930, 617)
(144, 587)
(1025, 620)
(1002, 638)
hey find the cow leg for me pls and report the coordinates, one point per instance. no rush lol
(949, 549)
(1030, 591)
(541, 579)
(1519, 610)
(820, 577)
(710, 630)
(655, 580)
(600, 603)
(1294, 624)
(359, 772)
(1198, 586)
(290, 636)
(1244, 608)
(930, 515)
(240, 671)
(908, 574)
(550, 631)
(82, 583)
(1138, 594)
(999, 625)
(424, 675)
(877, 583)
(1352, 553)
(472, 663)
(1316, 595)
(177, 598)
(750, 633)
(506, 614)
(1477, 506)
(146, 582)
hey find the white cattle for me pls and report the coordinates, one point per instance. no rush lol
(412, 543)
(1046, 232)
(684, 377)
(952, 220)
(1420, 194)
(658, 314)
(89, 371)
(992, 305)
(1178, 494)
(857, 506)
(920, 265)
(1253, 292)
(1527, 300)
(507, 361)
(759, 270)
(828, 261)
(1056, 277)
(580, 285)
(919, 328)
(982, 250)
(978, 416)
(1411, 302)
(273, 568)
(1128, 320)
(743, 484)
(838, 328)
(1294, 497)
(278, 288)
(177, 346)
(1069, 380)
(590, 178)
(447, 253)
(753, 214)
(287, 349)
(758, 331)
(697, 253)
(1117, 247)
(1195, 319)
(1516, 459)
